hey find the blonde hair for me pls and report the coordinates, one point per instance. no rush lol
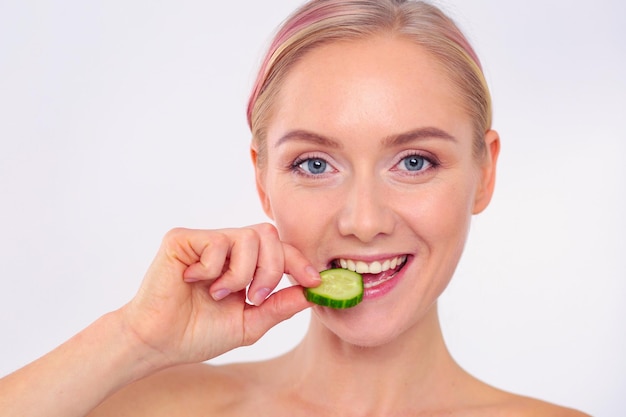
(320, 22)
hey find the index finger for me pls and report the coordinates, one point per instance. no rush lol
(299, 268)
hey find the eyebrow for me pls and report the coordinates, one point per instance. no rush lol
(306, 136)
(392, 140)
(418, 134)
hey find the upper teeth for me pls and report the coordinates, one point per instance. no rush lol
(375, 267)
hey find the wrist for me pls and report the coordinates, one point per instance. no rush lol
(79, 374)
(127, 350)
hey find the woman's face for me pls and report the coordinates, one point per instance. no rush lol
(370, 165)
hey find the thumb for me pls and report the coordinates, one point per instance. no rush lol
(278, 307)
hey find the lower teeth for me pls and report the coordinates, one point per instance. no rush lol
(367, 285)
(386, 278)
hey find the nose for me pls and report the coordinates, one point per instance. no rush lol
(366, 212)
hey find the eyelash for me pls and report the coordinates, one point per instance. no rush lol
(432, 163)
(296, 168)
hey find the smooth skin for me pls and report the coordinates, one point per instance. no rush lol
(174, 319)
(369, 156)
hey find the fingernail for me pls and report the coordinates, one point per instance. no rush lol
(261, 295)
(312, 272)
(221, 294)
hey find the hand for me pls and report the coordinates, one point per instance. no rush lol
(192, 305)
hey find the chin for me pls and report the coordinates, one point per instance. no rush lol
(356, 327)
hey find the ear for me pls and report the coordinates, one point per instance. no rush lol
(487, 178)
(260, 182)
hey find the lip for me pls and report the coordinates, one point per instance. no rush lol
(378, 285)
(381, 289)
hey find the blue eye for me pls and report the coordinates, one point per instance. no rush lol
(314, 166)
(415, 163)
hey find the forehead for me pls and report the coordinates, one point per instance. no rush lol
(379, 85)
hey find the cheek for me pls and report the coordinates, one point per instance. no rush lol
(441, 214)
(299, 217)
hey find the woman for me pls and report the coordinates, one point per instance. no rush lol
(373, 148)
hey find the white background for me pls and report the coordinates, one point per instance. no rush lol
(120, 120)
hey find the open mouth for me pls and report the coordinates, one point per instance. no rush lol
(374, 273)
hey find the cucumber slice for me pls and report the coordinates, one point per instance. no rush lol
(340, 288)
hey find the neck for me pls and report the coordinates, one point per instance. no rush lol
(415, 367)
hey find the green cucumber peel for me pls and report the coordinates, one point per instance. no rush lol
(340, 288)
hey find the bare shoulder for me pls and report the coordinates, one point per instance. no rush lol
(188, 390)
(240, 389)
(519, 406)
